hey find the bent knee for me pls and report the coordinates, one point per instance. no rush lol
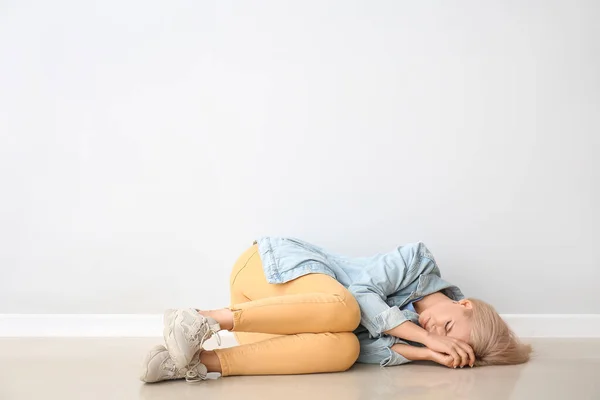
(347, 317)
(343, 349)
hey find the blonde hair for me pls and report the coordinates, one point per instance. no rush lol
(493, 342)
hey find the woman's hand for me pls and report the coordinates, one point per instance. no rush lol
(441, 358)
(460, 352)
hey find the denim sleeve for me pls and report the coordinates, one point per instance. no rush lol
(382, 279)
(379, 351)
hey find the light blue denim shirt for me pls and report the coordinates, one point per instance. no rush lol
(382, 284)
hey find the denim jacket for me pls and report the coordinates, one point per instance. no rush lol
(382, 284)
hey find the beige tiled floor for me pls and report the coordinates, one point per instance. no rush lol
(108, 369)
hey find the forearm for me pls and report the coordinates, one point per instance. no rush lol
(412, 353)
(409, 331)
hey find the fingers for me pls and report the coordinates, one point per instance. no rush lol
(469, 351)
(455, 356)
(461, 352)
(471, 356)
(443, 359)
(464, 357)
(447, 361)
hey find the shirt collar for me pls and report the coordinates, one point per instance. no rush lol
(432, 283)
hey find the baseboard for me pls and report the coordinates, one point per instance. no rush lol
(554, 325)
(150, 325)
(80, 325)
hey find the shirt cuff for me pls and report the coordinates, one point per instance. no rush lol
(389, 319)
(393, 359)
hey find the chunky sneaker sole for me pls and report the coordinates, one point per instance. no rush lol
(185, 332)
(159, 366)
(149, 364)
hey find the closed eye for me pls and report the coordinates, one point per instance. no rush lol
(447, 326)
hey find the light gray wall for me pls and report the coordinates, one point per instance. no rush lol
(144, 145)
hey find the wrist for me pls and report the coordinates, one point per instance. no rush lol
(413, 353)
(426, 338)
(428, 354)
(425, 354)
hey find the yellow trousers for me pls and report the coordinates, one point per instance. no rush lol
(300, 327)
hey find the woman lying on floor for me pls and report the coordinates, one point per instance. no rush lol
(298, 309)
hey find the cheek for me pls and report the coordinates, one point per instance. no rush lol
(461, 337)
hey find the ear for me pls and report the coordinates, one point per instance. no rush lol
(466, 304)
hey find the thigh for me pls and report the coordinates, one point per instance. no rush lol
(249, 259)
(311, 303)
(243, 264)
(248, 281)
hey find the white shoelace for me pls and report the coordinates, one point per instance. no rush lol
(192, 376)
(210, 332)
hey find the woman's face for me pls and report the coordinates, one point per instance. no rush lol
(452, 319)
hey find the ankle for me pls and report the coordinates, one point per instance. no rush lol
(210, 359)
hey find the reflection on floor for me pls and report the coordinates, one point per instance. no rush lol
(107, 369)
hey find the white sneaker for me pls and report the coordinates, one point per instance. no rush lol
(158, 366)
(185, 333)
